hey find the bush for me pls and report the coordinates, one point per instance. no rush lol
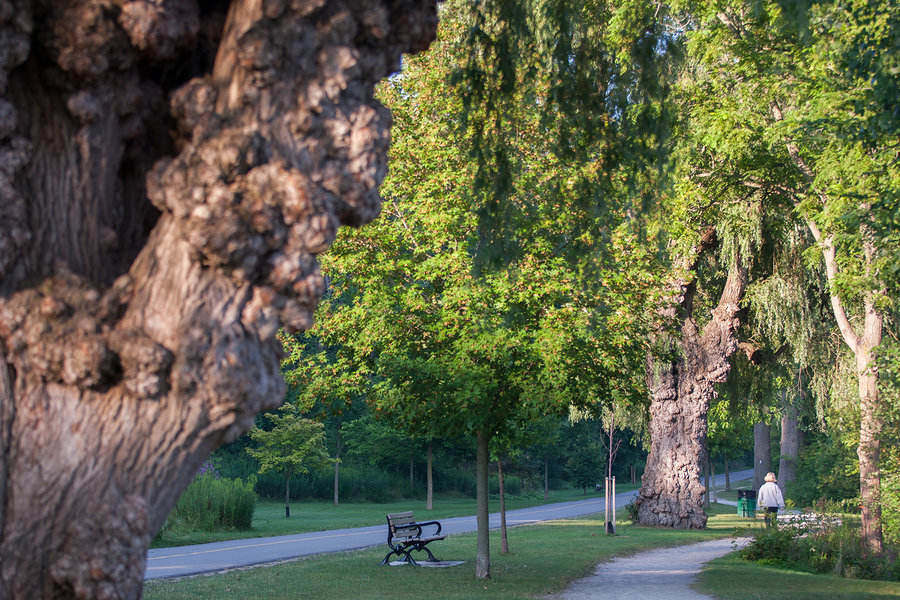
(210, 503)
(631, 509)
(822, 548)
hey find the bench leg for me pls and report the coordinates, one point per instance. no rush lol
(430, 555)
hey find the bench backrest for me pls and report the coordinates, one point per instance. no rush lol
(402, 525)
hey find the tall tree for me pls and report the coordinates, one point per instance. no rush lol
(681, 388)
(800, 104)
(169, 172)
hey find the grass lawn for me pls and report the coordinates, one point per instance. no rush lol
(723, 494)
(730, 578)
(268, 518)
(544, 559)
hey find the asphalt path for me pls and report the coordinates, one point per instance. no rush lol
(220, 556)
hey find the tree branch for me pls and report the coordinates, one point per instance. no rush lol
(825, 242)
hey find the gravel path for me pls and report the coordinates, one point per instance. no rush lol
(663, 574)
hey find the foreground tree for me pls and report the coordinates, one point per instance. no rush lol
(148, 257)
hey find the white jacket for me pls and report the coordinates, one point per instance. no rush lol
(770, 495)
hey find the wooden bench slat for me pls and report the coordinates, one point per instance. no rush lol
(402, 515)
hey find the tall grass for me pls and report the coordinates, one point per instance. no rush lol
(210, 503)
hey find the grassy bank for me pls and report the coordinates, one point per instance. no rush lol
(544, 559)
(269, 520)
(730, 578)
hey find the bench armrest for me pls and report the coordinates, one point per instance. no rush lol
(425, 523)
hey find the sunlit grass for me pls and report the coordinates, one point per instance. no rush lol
(544, 559)
(731, 578)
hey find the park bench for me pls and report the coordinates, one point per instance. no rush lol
(405, 535)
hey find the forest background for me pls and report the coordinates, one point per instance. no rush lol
(538, 224)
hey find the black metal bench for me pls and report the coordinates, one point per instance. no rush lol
(405, 536)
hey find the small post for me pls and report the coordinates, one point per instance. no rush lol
(610, 505)
(606, 501)
(614, 504)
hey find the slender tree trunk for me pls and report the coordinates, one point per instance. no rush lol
(681, 388)
(789, 448)
(287, 496)
(483, 556)
(727, 472)
(712, 478)
(429, 493)
(546, 478)
(170, 171)
(337, 468)
(762, 453)
(412, 473)
(504, 539)
(869, 451)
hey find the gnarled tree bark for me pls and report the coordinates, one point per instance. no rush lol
(168, 171)
(681, 388)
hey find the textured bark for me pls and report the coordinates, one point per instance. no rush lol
(869, 450)
(168, 171)
(789, 447)
(681, 388)
(762, 453)
(482, 518)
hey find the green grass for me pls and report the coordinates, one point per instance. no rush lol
(731, 578)
(731, 494)
(544, 559)
(268, 518)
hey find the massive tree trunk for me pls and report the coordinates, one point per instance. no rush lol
(789, 448)
(169, 171)
(681, 388)
(762, 453)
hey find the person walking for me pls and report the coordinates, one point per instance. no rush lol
(770, 499)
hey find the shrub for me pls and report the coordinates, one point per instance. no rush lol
(822, 548)
(210, 503)
(631, 509)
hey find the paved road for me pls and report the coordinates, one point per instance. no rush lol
(218, 556)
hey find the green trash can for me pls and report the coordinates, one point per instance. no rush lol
(746, 504)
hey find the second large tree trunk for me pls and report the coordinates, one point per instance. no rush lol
(762, 453)
(789, 448)
(681, 388)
